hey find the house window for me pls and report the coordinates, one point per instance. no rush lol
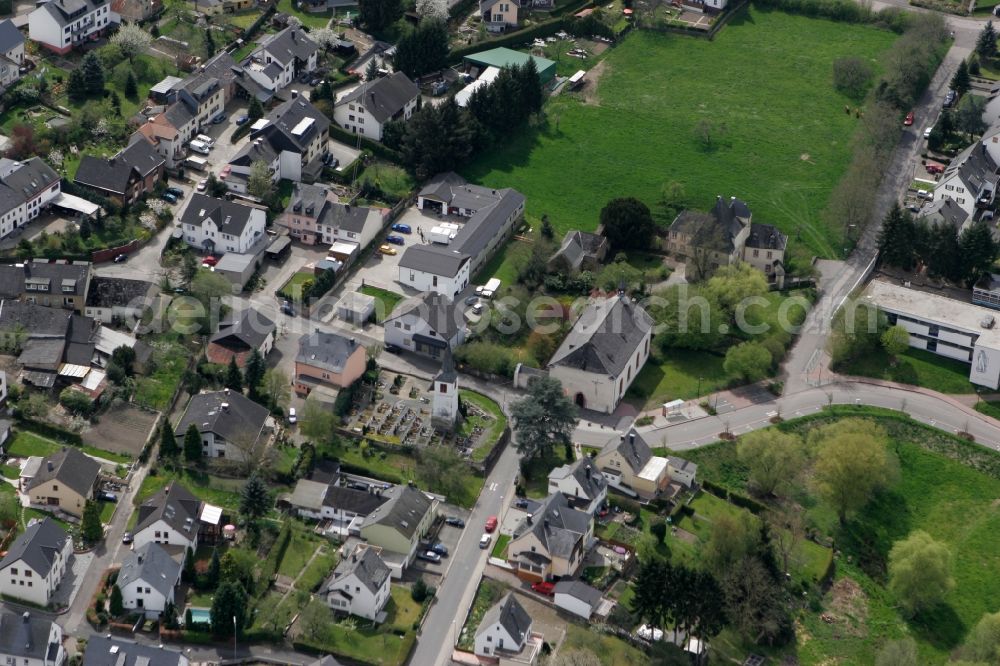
(756, 253)
(443, 388)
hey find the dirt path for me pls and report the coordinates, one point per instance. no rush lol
(592, 78)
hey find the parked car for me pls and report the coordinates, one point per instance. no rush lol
(127, 538)
(121, 258)
(303, 77)
(440, 549)
(491, 523)
(544, 588)
(402, 228)
(395, 349)
(387, 249)
(395, 240)
(927, 132)
(315, 82)
(909, 119)
(169, 197)
(477, 309)
(330, 161)
(430, 556)
(292, 416)
(950, 99)
(107, 497)
(200, 147)
(219, 119)
(472, 300)
(210, 260)
(451, 520)
(242, 119)
(286, 308)
(176, 191)
(226, 170)
(202, 184)
(205, 139)
(484, 541)
(520, 503)
(935, 168)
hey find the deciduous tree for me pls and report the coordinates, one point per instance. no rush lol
(733, 286)
(852, 463)
(774, 458)
(919, 572)
(969, 116)
(131, 40)
(442, 470)
(377, 15)
(895, 340)
(544, 418)
(276, 389)
(749, 360)
(627, 223)
(902, 652)
(983, 642)
(852, 76)
(260, 183)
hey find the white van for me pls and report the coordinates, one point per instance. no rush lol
(196, 163)
(207, 140)
(199, 147)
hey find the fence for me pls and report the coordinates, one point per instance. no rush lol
(109, 253)
(692, 32)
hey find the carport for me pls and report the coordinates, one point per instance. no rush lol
(75, 204)
(278, 247)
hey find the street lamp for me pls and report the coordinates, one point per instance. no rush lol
(699, 386)
(234, 638)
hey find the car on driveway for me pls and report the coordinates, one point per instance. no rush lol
(472, 300)
(209, 261)
(242, 119)
(286, 308)
(292, 416)
(450, 520)
(934, 168)
(169, 197)
(440, 549)
(909, 119)
(387, 249)
(395, 349)
(430, 556)
(202, 184)
(402, 228)
(176, 191)
(484, 541)
(107, 497)
(544, 588)
(395, 240)
(226, 170)
(315, 82)
(491, 523)
(219, 119)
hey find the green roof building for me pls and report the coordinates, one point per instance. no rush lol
(504, 57)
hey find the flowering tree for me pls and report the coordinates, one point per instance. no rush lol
(432, 9)
(131, 40)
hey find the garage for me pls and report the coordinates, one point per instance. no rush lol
(356, 308)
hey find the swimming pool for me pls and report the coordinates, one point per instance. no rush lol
(200, 615)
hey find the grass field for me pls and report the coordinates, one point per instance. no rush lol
(292, 289)
(916, 367)
(212, 489)
(308, 19)
(785, 127)
(156, 390)
(610, 650)
(27, 444)
(494, 427)
(674, 375)
(385, 301)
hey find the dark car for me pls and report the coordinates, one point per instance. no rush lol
(394, 349)
(430, 556)
(303, 77)
(472, 300)
(402, 228)
(176, 191)
(454, 522)
(521, 503)
(169, 197)
(330, 161)
(121, 258)
(440, 549)
(286, 308)
(395, 240)
(950, 99)
(315, 82)
(219, 119)
(108, 497)
(243, 120)
(127, 538)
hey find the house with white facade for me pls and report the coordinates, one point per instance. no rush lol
(36, 563)
(445, 266)
(231, 424)
(281, 58)
(369, 107)
(582, 483)
(500, 15)
(27, 640)
(504, 630)
(398, 525)
(603, 353)
(113, 298)
(192, 104)
(107, 651)
(359, 585)
(970, 179)
(552, 541)
(11, 53)
(575, 596)
(426, 324)
(26, 189)
(174, 517)
(148, 578)
(344, 507)
(60, 25)
(217, 225)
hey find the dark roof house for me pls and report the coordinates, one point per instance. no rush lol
(510, 615)
(114, 176)
(441, 314)
(559, 527)
(327, 351)
(384, 98)
(153, 565)
(367, 566)
(239, 338)
(25, 636)
(175, 505)
(38, 547)
(104, 651)
(604, 338)
(579, 251)
(71, 468)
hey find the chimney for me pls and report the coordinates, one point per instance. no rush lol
(353, 342)
(225, 406)
(50, 466)
(545, 523)
(622, 439)
(27, 268)
(530, 519)
(631, 439)
(588, 471)
(26, 617)
(732, 199)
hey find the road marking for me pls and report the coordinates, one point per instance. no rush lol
(771, 414)
(493, 486)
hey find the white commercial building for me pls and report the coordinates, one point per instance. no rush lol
(943, 326)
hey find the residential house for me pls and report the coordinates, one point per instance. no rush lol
(137, 10)
(240, 337)
(504, 630)
(6, 426)
(500, 15)
(65, 481)
(130, 174)
(706, 6)
(61, 25)
(281, 58)
(681, 471)
(192, 103)
(445, 267)
(111, 299)
(626, 460)
(204, 97)
(26, 189)
(304, 211)
(725, 236)
(27, 640)
(34, 566)
(552, 541)
(293, 140)
(398, 525)
(943, 211)
(579, 251)
(970, 179)
(366, 109)
(231, 425)
(327, 358)
(52, 342)
(148, 578)
(106, 651)
(582, 483)
(359, 585)
(176, 519)
(603, 353)
(315, 216)
(425, 324)
(107, 340)
(575, 596)
(343, 506)
(217, 225)
(11, 53)
(57, 284)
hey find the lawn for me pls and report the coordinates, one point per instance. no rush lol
(362, 644)
(674, 375)
(385, 301)
(402, 610)
(321, 567)
(914, 366)
(212, 489)
(991, 409)
(494, 427)
(292, 290)
(300, 548)
(156, 390)
(10, 471)
(775, 111)
(500, 549)
(309, 20)
(27, 444)
(610, 650)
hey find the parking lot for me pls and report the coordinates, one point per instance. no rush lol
(449, 536)
(382, 270)
(344, 154)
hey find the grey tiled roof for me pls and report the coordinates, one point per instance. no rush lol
(367, 566)
(589, 478)
(384, 97)
(403, 512)
(579, 590)
(242, 416)
(37, 546)
(632, 447)
(306, 198)
(766, 237)
(153, 565)
(443, 316)
(104, 651)
(290, 43)
(65, 11)
(25, 182)
(356, 501)
(26, 636)
(605, 337)
(433, 259)
(249, 330)
(510, 615)
(175, 505)
(71, 468)
(10, 36)
(112, 174)
(286, 118)
(326, 350)
(345, 216)
(559, 527)
(230, 217)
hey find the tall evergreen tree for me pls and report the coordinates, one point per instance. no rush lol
(255, 111)
(131, 86)
(986, 44)
(254, 500)
(93, 73)
(214, 566)
(76, 87)
(896, 239)
(192, 444)
(944, 256)
(978, 251)
(168, 441)
(253, 373)
(234, 378)
(377, 15)
(209, 43)
(961, 82)
(189, 573)
(423, 49)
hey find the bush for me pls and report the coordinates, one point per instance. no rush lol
(420, 591)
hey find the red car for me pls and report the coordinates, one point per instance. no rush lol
(209, 261)
(909, 119)
(491, 523)
(547, 589)
(935, 168)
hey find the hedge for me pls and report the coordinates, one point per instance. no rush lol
(518, 37)
(364, 471)
(274, 558)
(49, 430)
(845, 11)
(337, 132)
